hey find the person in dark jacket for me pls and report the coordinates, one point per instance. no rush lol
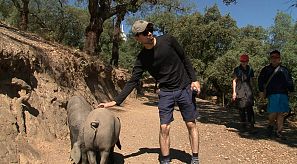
(275, 81)
(165, 60)
(242, 92)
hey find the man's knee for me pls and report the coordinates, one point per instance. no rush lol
(191, 125)
(164, 129)
(272, 115)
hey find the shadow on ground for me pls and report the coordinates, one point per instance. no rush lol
(213, 114)
(118, 158)
(182, 156)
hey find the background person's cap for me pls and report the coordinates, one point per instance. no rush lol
(244, 58)
(139, 26)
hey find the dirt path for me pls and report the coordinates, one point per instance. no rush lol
(220, 140)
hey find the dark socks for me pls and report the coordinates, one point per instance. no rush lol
(195, 155)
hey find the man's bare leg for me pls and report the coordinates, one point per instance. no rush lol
(193, 136)
(164, 141)
(272, 118)
(280, 121)
(272, 122)
(194, 141)
(280, 125)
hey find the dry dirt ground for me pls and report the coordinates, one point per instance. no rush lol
(220, 140)
(47, 66)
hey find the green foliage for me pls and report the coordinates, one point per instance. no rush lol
(128, 49)
(5, 9)
(206, 37)
(106, 37)
(50, 19)
(164, 22)
(8, 13)
(75, 21)
(211, 40)
(128, 55)
(281, 31)
(253, 41)
(250, 31)
(187, 30)
(220, 35)
(128, 52)
(199, 67)
(219, 73)
(212, 14)
(64, 24)
(289, 56)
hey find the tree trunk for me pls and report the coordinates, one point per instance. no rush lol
(92, 38)
(24, 15)
(116, 40)
(100, 10)
(94, 29)
(23, 10)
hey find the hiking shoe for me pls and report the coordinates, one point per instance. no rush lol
(243, 126)
(269, 131)
(279, 135)
(252, 131)
(249, 126)
(165, 162)
(195, 160)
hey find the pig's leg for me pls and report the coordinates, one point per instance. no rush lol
(104, 157)
(92, 157)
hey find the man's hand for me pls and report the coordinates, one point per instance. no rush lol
(196, 86)
(106, 105)
(234, 96)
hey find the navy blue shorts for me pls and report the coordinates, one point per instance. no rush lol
(183, 98)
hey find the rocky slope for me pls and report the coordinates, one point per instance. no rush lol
(37, 77)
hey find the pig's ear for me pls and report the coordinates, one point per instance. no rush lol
(75, 153)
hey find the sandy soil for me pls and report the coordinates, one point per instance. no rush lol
(221, 141)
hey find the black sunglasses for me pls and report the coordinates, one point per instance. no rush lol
(144, 33)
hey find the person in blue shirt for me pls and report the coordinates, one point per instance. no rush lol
(165, 60)
(274, 82)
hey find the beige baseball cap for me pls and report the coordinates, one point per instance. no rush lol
(139, 26)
